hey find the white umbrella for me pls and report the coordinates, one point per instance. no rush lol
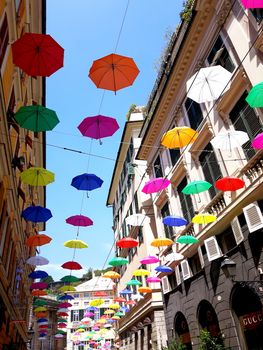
(58, 335)
(208, 84)
(63, 310)
(137, 297)
(173, 257)
(137, 220)
(229, 140)
(37, 260)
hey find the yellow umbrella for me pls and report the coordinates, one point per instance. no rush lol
(40, 309)
(67, 289)
(75, 243)
(101, 320)
(115, 318)
(179, 137)
(96, 302)
(161, 242)
(109, 312)
(203, 219)
(80, 330)
(114, 306)
(112, 275)
(141, 272)
(35, 176)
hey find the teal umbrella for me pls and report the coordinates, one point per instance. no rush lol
(195, 187)
(255, 96)
(187, 240)
(133, 282)
(118, 261)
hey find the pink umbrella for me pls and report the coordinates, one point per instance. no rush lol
(64, 305)
(155, 185)
(252, 4)
(258, 141)
(149, 260)
(88, 314)
(39, 285)
(79, 220)
(98, 127)
(153, 279)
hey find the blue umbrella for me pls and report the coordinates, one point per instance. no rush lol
(42, 320)
(124, 309)
(66, 297)
(91, 308)
(175, 221)
(86, 182)
(42, 335)
(126, 291)
(36, 214)
(38, 274)
(163, 268)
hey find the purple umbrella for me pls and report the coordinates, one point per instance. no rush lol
(98, 127)
(79, 220)
(155, 185)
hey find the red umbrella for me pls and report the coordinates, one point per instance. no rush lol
(62, 314)
(43, 326)
(71, 265)
(229, 184)
(98, 127)
(62, 325)
(131, 302)
(79, 220)
(38, 240)
(119, 300)
(127, 242)
(37, 54)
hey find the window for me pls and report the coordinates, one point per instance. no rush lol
(258, 14)
(76, 295)
(245, 119)
(3, 39)
(174, 155)
(136, 204)
(186, 201)
(226, 240)
(211, 169)
(195, 264)
(220, 56)
(140, 235)
(75, 316)
(167, 229)
(194, 113)
(157, 167)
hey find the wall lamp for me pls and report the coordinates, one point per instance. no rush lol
(229, 266)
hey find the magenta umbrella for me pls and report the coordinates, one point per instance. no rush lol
(149, 260)
(98, 127)
(155, 185)
(39, 285)
(64, 305)
(88, 314)
(153, 279)
(252, 4)
(257, 143)
(79, 220)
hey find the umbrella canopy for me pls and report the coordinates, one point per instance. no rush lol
(41, 314)
(127, 242)
(153, 279)
(38, 274)
(257, 143)
(36, 118)
(229, 140)
(40, 308)
(38, 240)
(92, 308)
(36, 176)
(155, 185)
(126, 291)
(173, 257)
(37, 260)
(161, 242)
(119, 313)
(119, 300)
(137, 297)
(137, 220)
(109, 312)
(65, 314)
(252, 4)
(175, 221)
(39, 302)
(58, 336)
(88, 314)
(118, 261)
(67, 289)
(113, 72)
(229, 184)
(114, 306)
(69, 279)
(38, 292)
(66, 297)
(71, 265)
(187, 240)
(115, 317)
(164, 269)
(98, 127)
(96, 302)
(111, 274)
(131, 302)
(76, 244)
(86, 182)
(62, 325)
(64, 305)
(133, 282)
(255, 96)
(208, 84)
(203, 219)
(36, 214)
(149, 260)
(79, 220)
(40, 320)
(179, 137)
(38, 285)
(141, 272)
(195, 187)
(144, 289)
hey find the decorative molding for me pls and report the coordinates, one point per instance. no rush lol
(224, 12)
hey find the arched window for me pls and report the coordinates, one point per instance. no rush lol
(181, 330)
(208, 320)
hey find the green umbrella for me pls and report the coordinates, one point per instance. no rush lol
(62, 320)
(39, 302)
(196, 187)
(133, 283)
(255, 96)
(118, 261)
(36, 118)
(61, 332)
(119, 313)
(69, 279)
(187, 240)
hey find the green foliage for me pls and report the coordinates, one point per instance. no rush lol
(186, 13)
(208, 342)
(175, 346)
(88, 275)
(131, 110)
(48, 279)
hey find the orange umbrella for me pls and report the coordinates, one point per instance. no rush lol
(144, 289)
(38, 292)
(38, 240)
(113, 72)
(161, 242)
(41, 314)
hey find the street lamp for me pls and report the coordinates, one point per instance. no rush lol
(228, 266)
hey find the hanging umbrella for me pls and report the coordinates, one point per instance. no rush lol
(203, 219)
(62, 325)
(141, 272)
(86, 182)
(67, 289)
(113, 72)
(65, 314)
(175, 221)
(173, 257)
(131, 302)
(114, 306)
(37, 260)
(92, 308)
(119, 313)
(229, 140)
(76, 244)
(43, 326)
(71, 265)
(38, 285)
(133, 282)
(98, 127)
(79, 220)
(119, 300)
(187, 240)
(86, 320)
(111, 274)
(58, 336)
(36, 118)
(155, 185)
(40, 308)
(161, 242)
(38, 274)
(255, 96)
(153, 279)
(252, 4)
(127, 242)
(195, 187)
(145, 289)
(229, 184)
(137, 220)
(61, 320)
(36, 176)
(118, 261)
(179, 137)
(149, 260)
(96, 302)
(38, 292)
(164, 269)
(257, 143)
(137, 297)
(66, 297)
(208, 84)
(39, 302)
(64, 305)
(109, 312)
(37, 54)
(38, 240)
(36, 214)
(41, 314)
(126, 291)
(115, 317)
(40, 320)
(88, 314)
(69, 279)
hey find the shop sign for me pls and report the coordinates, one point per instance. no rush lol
(252, 320)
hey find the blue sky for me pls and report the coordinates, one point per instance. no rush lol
(87, 31)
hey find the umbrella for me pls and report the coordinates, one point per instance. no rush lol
(76, 244)
(131, 302)
(71, 265)
(127, 242)
(126, 291)
(161, 242)
(141, 272)
(115, 317)
(36, 176)
(98, 127)
(175, 221)
(58, 336)
(100, 294)
(92, 308)
(40, 320)
(137, 220)
(36, 118)
(114, 306)
(36, 214)
(38, 274)
(62, 320)
(86, 182)
(119, 313)
(43, 326)
(195, 187)
(255, 96)
(62, 325)
(37, 260)
(118, 261)
(38, 285)
(179, 137)
(144, 289)
(203, 219)
(257, 143)
(153, 279)
(252, 4)
(133, 282)
(79, 220)
(155, 185)
(41, 314)
(96, 302)
(69, 279)
(164, 269)
(109, 312)
(111, 274)
(38, 292)
(119, 300)
(208, 84)
(173, 257)
(64, 305)
(88, 314)
(38, 240)
(137, 297)
(229, 184)
(37, 54)
(229, 139)
(67, 289)
(39, 302)
(113, 72)
(66, 297)
(40, 308)
(149, 260)
(187, 240)
(86, 320)
(62, 314)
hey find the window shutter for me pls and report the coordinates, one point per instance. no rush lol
(177, 275)
(201, 258)
(212, 248)
(186, 272)
(165, 285)
(253, 217)
(237, 231)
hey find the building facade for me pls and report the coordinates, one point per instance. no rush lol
(143, 326)
(218, 286)
(19, 149)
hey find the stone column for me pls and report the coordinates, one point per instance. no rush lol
(145, 338)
